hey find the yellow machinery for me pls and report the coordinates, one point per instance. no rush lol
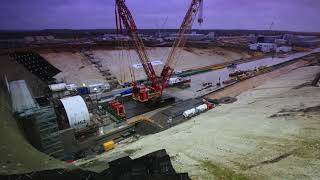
(263, 69)
(109, 145)
(141, 118)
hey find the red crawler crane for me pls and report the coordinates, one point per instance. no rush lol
(142, 92)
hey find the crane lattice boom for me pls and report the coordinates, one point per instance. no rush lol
(181, 39)
(128, 21)
(145, 93)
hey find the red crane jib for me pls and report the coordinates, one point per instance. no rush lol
(142, 92)
(180, 40)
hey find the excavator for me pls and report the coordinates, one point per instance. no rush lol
(153, 92)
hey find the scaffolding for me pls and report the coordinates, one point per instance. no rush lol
(41, 129)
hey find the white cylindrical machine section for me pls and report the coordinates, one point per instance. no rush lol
(189, 113)
(202, 108)
(58, 87)
(174, 80)
(77, 111)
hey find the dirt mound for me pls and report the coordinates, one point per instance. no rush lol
(145, 128)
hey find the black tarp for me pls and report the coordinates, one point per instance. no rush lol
(154, 166)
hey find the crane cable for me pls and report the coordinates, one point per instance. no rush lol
(119, 44)
(125, 51)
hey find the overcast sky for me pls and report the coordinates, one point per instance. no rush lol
(295, 15)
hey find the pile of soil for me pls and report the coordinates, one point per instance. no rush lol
(145, 128)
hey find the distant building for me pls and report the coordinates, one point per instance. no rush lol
(252, 38)
(106, 38)
(50, 37)
(118, 37)
(264, 47)
(40, 38)
(170, 38)
(158, 40)
(194, 36)
(271, 39)
(254, 47)
(260, 39)
(267, 47)
(160, 34)
(307, 41)
(211, 36)
(284, 49)
(280, 42)
(288, 38)
(29, 39)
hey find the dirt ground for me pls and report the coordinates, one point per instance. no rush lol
(78, 70)
(120, 61)
(75, 68)
(271, 132)
(236, 89)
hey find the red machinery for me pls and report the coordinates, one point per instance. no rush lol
(142, 92)
(117, 108)
(209, 105)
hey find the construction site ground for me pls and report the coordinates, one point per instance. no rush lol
(270, 132)
(253, 82)
(77, 69)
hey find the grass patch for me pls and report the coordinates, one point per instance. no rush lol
(221, 172)
(241, 166)
(308, 148)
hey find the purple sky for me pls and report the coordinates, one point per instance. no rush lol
(296, 15)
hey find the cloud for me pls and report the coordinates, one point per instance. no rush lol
(297, 15)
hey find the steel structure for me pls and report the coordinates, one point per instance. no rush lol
(180, 40)
(142, 92)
